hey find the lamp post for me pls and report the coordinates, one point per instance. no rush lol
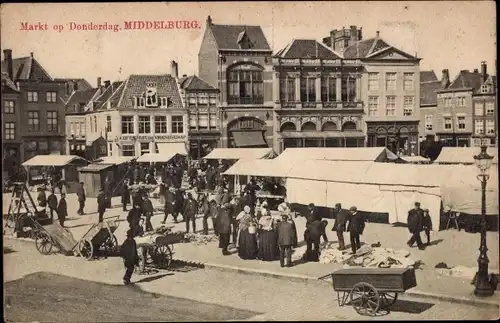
(483, 162)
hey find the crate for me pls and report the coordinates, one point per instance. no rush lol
(383, 279)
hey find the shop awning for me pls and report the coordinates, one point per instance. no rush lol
(115, 160)
(462, 155)
(415, 159)
(240, 153)
(94, 168)
(172, 148)
(371, 154)
(260, 167)
(156, 158)
(322, 134)
(52, 160)
(249, 139)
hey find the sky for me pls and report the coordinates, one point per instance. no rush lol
(455, 35)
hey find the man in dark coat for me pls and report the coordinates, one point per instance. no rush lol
(128, 251)
(52, 202)
(415, 226)
(314, 215)
(179, 204)
(133, 219)
(252, 189)
(224, 228)
(209, 178)
(356, 227)
(101, 204)
(108, 191)
(81, 198)
(42, 198)
(286, 239)
(125, 195)
(62, 209)
(427, 225)
(226, 197)
(342, 216)
(189, 212)
(147, 209)
(235, 208)
(169, 204)
(313, 234)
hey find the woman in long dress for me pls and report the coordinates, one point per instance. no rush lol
(268, 239)
(247, 242)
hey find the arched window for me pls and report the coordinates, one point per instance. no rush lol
(288, 127)
(245, 85)
(349, 125)
(308, 126)
(329, 126)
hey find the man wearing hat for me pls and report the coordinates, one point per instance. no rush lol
(101, 204)
(190, 211)
(342, 216)
(128, 251)
(415, 226)
(169, 204)
(427, 225)
(286, 240)
(80, 192)
(224, 228)
(313, 215)
(356, 227)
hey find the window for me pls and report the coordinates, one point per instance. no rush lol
(32, 96)
(390, 81)
(108, 123)
(51, 96)
(478, 127)
(95, 124)
(308, 89)
(75, 129)
(33, 121)
(245, 87)
(164, 102)
(373, 82)
(202, 100)
(52, 121)
(485, 88)
(490, 108)
(144, 124)
(8, 107)
(348, 88)
(151, 97)
(213, 120)
(447, 123)
(447, 102)
(490, 127)
(461, 101)
(127, 125)
(408, 81)
(128, 150)
(144, 148)
(408, 105)
(192, 101)
(461, 122)
(213, 99)
(287, 89)
(390, 106)
(372, 105)
(160, 124)
(10, 130)
(478, 109)
(110, 149)
(428, 122)
(328, 89)
(82, 129)
(177, 124)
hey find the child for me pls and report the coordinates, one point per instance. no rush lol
(427, 225)
(130, 257)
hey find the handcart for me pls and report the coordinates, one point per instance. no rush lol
(157, 249)
(99, 236)
(370, 289)
(53, 236)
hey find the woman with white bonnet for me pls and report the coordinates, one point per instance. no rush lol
(247, 242)
(268, 240)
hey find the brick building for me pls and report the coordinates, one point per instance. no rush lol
(237, 60)
(38, 108)
(318, 99)
(429, 85)
(485, 113)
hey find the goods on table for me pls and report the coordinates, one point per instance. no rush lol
(146, 239)
(459, 271)
(200, 238)
(144, 187)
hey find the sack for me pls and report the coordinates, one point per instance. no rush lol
(252, 229)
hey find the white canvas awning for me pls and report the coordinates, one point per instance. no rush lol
(462, 155)
(116, 160)
(240, 153)
(156, 158)
(260, 167)
(369, 154)
(415, 159)
(172, 148)
(52, 160)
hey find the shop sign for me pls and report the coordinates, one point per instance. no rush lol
(150, 138)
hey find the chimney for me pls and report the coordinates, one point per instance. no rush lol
(209, 21)
(175, 68)
(354, 34)
(31, 54)
(75, 86)
(360, 33)
(332, 38)
(66, 88)
(7, 53)
(484, 71)
(378, 34)
(445, 79)
(184, 75)
(99, 82)
(476, 70)
(107, 84)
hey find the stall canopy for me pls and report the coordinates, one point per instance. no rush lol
(172, 148)
(370, 154)
(415, 159)
(462, 155)
(240, 153)
(115, 160)
(52, 160)
(260, 167)
(249, 139)
(156, 158)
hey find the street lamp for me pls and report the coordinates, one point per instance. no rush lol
(483, 162)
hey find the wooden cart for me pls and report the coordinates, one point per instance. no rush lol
(53, 236)
(370, 289)
(99, 236)
(156, 249)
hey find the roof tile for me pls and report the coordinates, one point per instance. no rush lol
(193, 82)
(428, 94)
(306, 48)
(466, 80)
(79, 97)
(227, 36)
(427, 76)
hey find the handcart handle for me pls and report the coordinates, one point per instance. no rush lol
(323, 277)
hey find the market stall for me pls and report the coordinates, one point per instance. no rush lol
(94, 176)
(116, 175)
(240, 153)
(367, 154)
(462, 155)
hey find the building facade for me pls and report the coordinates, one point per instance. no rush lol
(485, 114)
(40, 107)
(237, 60)
(11, 124)
(318, 98)
(454, 114)
(138, 114)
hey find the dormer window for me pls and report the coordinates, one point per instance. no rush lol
(485, 88)
(139, 102)
(151, 97)
(164, 101)
(244, 41)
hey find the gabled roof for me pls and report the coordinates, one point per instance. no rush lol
(193, 83)
(427, 76)
(306, 48)
(466, 80)
(227, 36)
(370, 47)
(26, 68)
(8, 82)
(81, 83)
(135, 85)
(491, 80)
(100, 99)
(428, 94)
(78, 97)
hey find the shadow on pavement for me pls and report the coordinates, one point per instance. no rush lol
(7, 250)
(153, 278)
(410, 307)
(436, 242)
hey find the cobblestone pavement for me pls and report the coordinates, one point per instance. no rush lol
(276, 299)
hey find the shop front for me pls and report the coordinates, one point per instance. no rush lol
(43, 146)
(455, 139)
(398, 137)
(247, 132)
(135, 146)
(297, 139)
(201, 143)
(11, 156)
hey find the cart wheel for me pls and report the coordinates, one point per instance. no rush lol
(43, 243)
(388, 299)
(85, 249)
(162, 256)
(111, 244)
(365, 299)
